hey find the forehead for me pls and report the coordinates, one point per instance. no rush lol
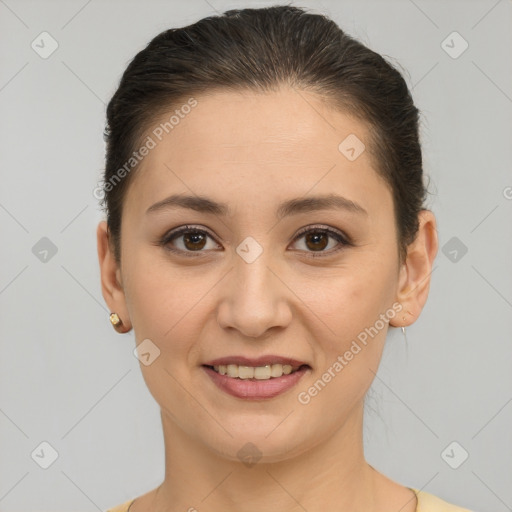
(286, 122)
(283, 143)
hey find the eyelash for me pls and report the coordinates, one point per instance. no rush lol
(338, 236)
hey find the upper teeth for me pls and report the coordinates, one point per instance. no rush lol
(251, 372)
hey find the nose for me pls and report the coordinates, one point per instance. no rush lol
(255, 298)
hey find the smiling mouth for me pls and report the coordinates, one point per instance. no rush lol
(269, 371)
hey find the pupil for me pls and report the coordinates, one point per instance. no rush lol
(316, 237)
(192, 238)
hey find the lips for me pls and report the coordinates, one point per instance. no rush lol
(257, 378)
(252, 388)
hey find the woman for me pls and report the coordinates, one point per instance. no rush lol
(265, 226)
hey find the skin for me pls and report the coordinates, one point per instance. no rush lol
(253, 151)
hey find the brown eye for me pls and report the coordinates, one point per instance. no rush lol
(317, 239)
(190, 241)
(187, 241)
(194, 241)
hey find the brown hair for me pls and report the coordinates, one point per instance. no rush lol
(261, 50)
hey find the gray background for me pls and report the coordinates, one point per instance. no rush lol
(68, 379)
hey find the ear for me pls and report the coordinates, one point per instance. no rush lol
(111, 281)
(414, 280)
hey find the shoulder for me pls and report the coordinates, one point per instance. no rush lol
(123, 507)
(426, 503)
(429, 503)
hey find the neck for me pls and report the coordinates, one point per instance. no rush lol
(333, 471)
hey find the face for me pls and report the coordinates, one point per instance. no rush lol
(315, 282)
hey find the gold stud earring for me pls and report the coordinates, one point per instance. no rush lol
(116, 322)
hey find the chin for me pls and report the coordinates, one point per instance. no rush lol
(265, 445)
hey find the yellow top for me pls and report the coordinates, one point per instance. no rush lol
(426, 503)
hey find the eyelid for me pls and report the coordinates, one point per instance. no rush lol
(339, 236)
(176, 233)
(342, 239)
(325, 228)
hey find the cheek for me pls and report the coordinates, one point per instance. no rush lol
(350, 308)
(169, 306)
(164, 307)
(351, 348)
(158, 294)
(348, 301)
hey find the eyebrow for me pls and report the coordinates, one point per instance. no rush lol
(293, 206)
